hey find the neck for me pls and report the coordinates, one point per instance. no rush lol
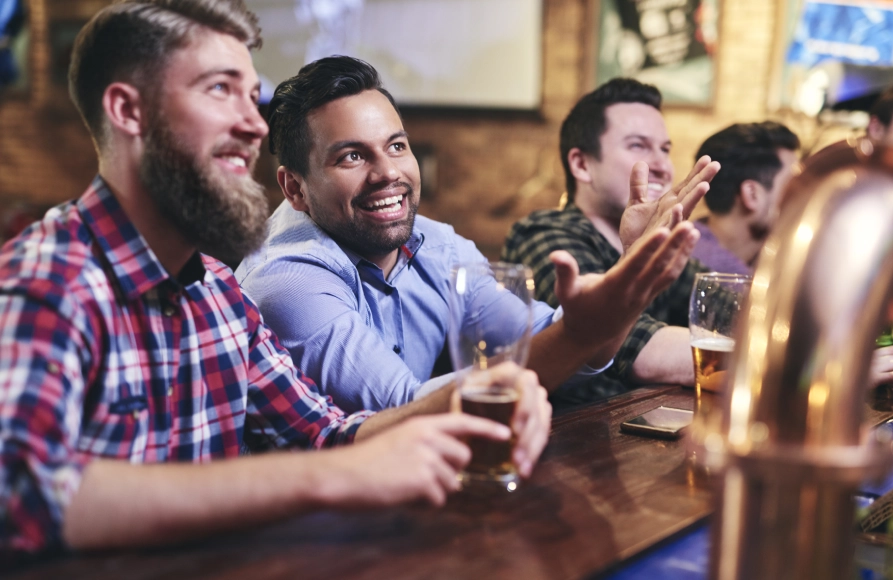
(602, 219)
(733, 234)
(168, 244)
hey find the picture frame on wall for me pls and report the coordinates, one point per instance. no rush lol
(671, 44)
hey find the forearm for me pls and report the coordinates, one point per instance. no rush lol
(436, 402)
(665, 358)
(119, 504)
(556, 353)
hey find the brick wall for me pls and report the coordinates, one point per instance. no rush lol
(492, 168)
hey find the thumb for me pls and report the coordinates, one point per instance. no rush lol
(638, 184)
(566, 274)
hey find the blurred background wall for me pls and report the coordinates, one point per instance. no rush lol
(485, 168)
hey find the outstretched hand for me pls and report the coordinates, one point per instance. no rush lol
(642, 216)
(602, 307)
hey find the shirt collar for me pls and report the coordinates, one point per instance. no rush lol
(405, 254)
(133, 263)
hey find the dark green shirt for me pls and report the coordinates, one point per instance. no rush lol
(530, 242)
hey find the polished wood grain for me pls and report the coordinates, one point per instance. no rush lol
(597, 497)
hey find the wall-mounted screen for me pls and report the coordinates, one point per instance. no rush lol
(458, 53)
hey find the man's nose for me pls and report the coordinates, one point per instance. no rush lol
(383, 170)
(660, 164)
(251, 123)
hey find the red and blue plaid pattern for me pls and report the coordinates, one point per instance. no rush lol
(104, 354)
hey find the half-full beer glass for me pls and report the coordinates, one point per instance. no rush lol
(491, 319)
(715, 302)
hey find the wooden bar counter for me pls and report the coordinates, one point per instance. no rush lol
(597, 497)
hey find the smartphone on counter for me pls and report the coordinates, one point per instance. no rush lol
(662, 422)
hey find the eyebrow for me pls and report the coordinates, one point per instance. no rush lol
(646, 138)
(230, 72)
(352, 144)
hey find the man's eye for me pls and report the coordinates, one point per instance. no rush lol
(220, 87)
(352, 156)
(399, 146)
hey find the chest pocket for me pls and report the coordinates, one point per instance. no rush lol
(116, 418)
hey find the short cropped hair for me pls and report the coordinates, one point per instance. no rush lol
(585, 124)
(745, 151)
(315, 85)
(883, 107)
(132, 40)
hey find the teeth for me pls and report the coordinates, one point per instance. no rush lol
(388, 201)
(237, 161)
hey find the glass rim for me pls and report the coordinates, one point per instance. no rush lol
(723, 276)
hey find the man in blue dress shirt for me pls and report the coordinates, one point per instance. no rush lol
(356, 286)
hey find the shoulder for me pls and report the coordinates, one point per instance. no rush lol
(54, 255)
(550, 229)
(294, 243)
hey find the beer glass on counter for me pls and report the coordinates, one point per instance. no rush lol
(482, 335)
(715, 302)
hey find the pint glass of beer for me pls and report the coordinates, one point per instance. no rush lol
(715, 302)
(491, 319)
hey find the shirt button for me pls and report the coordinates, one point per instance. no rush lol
(168, 311)
(397, 349)
(136, 415)
(53, 368)
(170, 392)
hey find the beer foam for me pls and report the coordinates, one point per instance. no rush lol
(715, 343)
(488, 395)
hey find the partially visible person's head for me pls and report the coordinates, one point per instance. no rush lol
(176, 77)
(756, 160)
(606, 133)
(345, 156)
(880, 122)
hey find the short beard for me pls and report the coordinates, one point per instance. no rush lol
(223, 218)
(369, 241)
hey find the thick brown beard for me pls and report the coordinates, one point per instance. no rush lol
(224, 220)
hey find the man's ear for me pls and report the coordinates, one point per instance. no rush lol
(123, 107)
(752, 194)
(293, 187)
(578, 163)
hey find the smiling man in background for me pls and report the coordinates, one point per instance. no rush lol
(606, 133)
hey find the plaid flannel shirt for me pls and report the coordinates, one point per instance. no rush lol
(532, 239)
(104, 355)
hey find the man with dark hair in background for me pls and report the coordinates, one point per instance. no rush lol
(606, 134)
(130, 363)
(744, 197)
(880, 121)
(356, 285)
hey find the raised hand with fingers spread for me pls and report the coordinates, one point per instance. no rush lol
(642, 216)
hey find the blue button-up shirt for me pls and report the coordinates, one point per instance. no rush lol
(368, 342)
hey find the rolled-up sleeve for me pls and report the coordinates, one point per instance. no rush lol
(42, 354)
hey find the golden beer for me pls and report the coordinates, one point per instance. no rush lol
(490, 459)
(711, 356)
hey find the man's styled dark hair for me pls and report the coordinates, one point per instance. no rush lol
(883, 107)
(585, 124)
(132, 41)
(315, 85)
(745, 151)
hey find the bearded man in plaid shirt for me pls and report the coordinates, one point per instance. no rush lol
(130, 362)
